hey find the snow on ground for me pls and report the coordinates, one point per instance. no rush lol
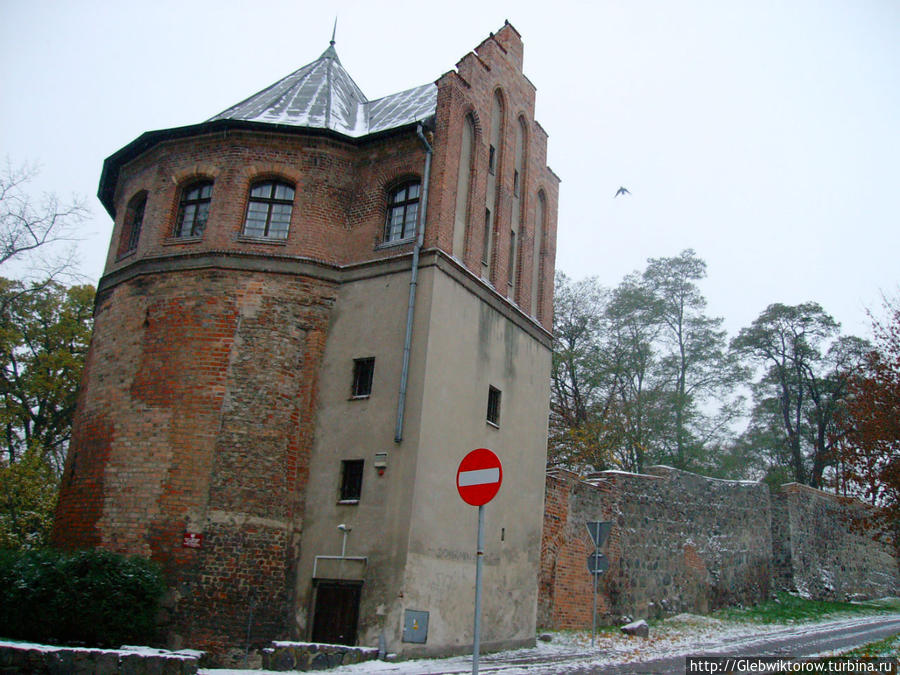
(683, 634)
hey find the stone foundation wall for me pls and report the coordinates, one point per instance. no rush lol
(22, 657)
(685, 543)
(306, 656)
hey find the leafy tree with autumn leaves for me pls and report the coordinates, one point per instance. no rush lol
(869, 435)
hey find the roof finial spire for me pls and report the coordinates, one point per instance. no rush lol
(334, 30)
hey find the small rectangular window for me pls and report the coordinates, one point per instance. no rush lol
(492, 159)
(351, 479)
(493, 406)
(516, 182)
(363, 371)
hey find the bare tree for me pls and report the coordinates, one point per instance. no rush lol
(37, 235)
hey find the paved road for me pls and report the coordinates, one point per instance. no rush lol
(805, 641)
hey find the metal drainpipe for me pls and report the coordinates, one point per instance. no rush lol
(411, 308)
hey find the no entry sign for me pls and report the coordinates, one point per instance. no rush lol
(479, 477)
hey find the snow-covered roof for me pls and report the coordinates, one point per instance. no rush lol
(322, 95)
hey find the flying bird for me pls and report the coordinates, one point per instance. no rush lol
(621, 191)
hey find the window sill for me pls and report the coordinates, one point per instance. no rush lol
(493, 424)
(171, 241)
(126, 254)
(243, 238)
(395, 243)
(348, 502)
(361, 397)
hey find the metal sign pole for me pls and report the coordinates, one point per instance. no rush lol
(594, 612)
(479, 555)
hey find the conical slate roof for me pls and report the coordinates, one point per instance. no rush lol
(322, 95)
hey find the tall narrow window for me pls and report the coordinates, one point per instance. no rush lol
(537, 255)
(363, 373)
(403, 210)
(518, 209)
(269, 210)
(193, 209)
(512, 259)
(351, 480)
(134, 219)
(492, 188)
(463, 181)
(493, 406)
(486, 241)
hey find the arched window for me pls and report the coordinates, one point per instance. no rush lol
(134, 219)
(269, 210)
(402, 213)
(193, 209)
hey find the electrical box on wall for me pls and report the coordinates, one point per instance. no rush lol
(415, 626)
(380, 462)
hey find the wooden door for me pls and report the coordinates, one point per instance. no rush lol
(336, 613)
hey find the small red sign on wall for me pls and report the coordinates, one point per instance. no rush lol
(192, 540)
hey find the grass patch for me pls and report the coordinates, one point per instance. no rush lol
(789, 608)
(890, 646)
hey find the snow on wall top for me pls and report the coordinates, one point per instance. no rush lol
(323, 95)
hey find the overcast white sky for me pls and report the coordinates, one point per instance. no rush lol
(763, 134)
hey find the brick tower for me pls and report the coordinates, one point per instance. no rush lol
(313, 306)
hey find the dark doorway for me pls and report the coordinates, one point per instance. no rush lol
(336, 613)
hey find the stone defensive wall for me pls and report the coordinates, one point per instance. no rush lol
(824, 546)
(686, 543)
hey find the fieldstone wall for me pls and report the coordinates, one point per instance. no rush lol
(23, 657)
(306, 656)
(679, 543)
(825, 551)
(685, 543)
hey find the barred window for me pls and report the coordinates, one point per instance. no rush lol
(493, 406)
(269, 210)
(193, 209)
(403, 210)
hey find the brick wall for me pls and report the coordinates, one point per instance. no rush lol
(339, 205)
(196, 417)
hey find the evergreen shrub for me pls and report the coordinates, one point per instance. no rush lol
(95, 598)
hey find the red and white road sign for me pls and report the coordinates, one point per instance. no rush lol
(479, 477)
